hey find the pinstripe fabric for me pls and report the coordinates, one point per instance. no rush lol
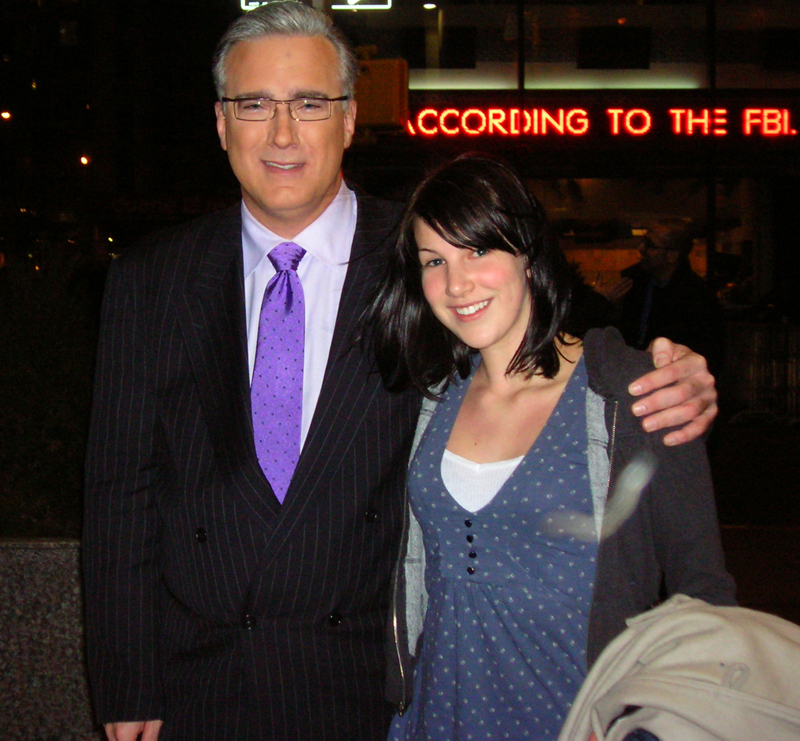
(183, 536)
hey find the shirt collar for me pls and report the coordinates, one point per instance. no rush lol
(327, 239)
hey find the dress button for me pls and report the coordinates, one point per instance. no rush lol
(472, 554)
(470, 570)
(334, 619)
(201, 535)
(248, 621)
(468, 523)
(371, 515)
(470, 538)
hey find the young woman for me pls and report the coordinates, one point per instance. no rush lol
(548, 516)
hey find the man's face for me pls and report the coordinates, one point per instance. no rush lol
(289, 170)
(658, 256)
(653, 258)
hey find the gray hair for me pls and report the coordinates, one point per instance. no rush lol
(285, 18)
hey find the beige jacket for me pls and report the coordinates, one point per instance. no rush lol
(696, 673)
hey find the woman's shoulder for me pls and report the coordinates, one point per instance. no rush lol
(611, 365)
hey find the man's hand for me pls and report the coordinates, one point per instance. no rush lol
(680, 392)
(130, 731)
(614, 293)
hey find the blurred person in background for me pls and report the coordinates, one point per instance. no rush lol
(661, 296)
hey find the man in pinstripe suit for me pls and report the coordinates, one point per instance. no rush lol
(213, 611)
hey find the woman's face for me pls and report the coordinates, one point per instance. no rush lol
(481, 296)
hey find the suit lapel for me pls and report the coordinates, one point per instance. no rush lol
(211, 315)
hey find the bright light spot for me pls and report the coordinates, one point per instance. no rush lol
(429, 6)
(33, 84)
(23, 210)
(365, 5)
(5, 115)
(496, 76)
(36, 267)
(111, 239)
(622, 21)
(85, 160)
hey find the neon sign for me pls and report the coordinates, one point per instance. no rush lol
(767, 121)
(476, 121)
(501, 121)
(636, 121)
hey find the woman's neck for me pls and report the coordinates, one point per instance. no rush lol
(492, 372)
(502, 415)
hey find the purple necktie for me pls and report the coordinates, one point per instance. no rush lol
(276, 393)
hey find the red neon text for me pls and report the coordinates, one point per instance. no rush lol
(622, 122)
(704, 121)
(768, 121)
(636, 121)
(500, 122)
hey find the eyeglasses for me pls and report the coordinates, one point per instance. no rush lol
(300, 109)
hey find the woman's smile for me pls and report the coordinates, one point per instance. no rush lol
(468, 311)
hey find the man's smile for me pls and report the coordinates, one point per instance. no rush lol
(282, 166)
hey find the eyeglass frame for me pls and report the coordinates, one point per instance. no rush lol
(287, 103)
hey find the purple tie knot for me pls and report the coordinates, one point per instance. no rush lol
(286, 256)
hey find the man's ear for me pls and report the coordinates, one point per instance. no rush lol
(222, 124)
(349, 122)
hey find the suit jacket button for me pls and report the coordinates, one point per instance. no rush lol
(201, 535)
(248, 621)
(334, 619)
(371, 515)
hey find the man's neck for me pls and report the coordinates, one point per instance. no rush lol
(288, 226)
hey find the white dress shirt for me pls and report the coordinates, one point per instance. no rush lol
(322, 271)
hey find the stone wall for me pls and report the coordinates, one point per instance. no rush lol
(43, 687)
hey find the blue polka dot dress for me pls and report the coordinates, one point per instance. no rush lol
(504, 641)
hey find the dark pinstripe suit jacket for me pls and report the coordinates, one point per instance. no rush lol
(208, 604)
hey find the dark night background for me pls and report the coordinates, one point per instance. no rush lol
(128, 86)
